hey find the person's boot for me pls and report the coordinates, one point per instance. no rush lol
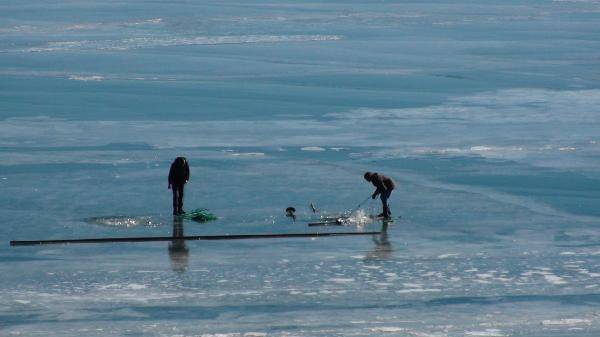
(386, 214)
(381, 215)
(181, 212)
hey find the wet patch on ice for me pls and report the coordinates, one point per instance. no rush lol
(123, 221)
(359, 218)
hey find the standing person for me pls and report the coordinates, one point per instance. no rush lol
(179, 174)
(384, 186)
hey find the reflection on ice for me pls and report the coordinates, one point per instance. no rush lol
(383, 249)
(178, 250)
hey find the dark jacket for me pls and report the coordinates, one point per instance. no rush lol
(179, 173)
(382, 183)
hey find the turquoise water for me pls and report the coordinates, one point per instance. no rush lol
(485, 113)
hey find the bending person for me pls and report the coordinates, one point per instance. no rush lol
(384, 186)
(179, 174)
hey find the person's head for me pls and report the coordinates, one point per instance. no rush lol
(180, 161)
(368, 176)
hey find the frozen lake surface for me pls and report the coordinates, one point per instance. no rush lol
(485, 113)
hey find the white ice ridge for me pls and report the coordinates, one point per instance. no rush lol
(312, 148)
(490, 151)
(248, 154)
(579, 1)
(151, 42)
(82, 26)
(132, 286)
(567, 321)
(486, 333)
(547, 275)
(503, 106)
(341, 280)
(235, 334)
(86, 78)
(445, 256)
(418, 290)
(387, 329)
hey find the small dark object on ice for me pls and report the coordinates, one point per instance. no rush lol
(291, 212)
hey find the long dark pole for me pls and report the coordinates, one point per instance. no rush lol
(194, 237)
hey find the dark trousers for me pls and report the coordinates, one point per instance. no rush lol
(384, 201)
(177, 198)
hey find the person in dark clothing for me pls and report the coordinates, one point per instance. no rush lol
(179, 174)
(384, 186)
